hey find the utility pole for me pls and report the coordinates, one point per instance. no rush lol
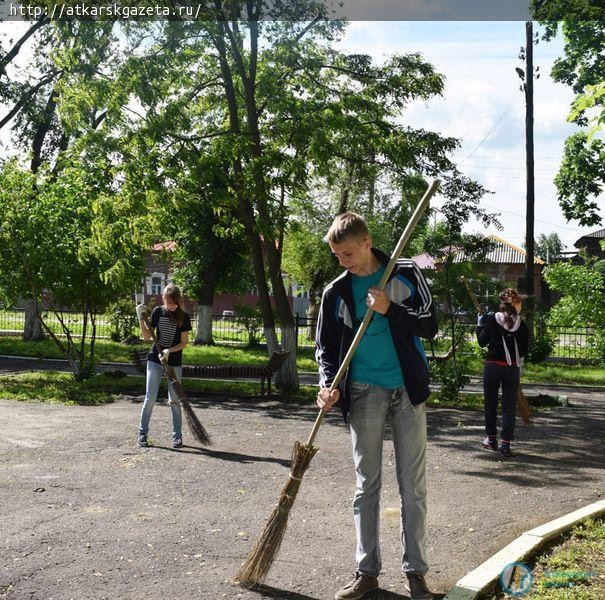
(529, 158)
(527, 78)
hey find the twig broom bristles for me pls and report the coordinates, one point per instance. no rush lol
(522, 404)
(197, 429)
(261, 557)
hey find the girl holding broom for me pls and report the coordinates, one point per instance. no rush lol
(172, 325)
(506, 337)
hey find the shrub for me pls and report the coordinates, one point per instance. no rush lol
(543, 342)
(451, 376)
(250, 320)
(122, 320)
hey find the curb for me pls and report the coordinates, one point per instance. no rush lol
(481, 579)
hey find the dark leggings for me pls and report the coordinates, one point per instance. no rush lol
(493, 376)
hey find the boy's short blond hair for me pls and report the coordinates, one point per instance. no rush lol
(347, 225)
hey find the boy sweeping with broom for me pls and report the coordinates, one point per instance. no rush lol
(388, 376)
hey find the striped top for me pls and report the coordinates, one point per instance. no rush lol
(168, 333)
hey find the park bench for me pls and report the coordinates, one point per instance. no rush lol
(263, 372)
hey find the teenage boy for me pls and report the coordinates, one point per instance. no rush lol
(388, 376)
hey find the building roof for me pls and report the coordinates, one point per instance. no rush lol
(503, 252)
(164, 246)
(424, 261)
(600, 234)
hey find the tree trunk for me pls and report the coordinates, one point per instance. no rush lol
(312, 315)
(32, 330)
(203, 335)
(205, 299)
(245, 208)
(286, 378)
(271, 339)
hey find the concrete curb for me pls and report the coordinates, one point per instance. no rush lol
(481, 579)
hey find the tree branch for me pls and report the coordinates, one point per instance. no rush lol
(14, 51)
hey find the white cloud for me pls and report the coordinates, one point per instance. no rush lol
(482, 106)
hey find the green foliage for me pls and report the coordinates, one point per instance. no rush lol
(451, 375)
(581, 176)
(548, 247)
(50, 228)
(582, 288)
(250, 319)
(123, 320)
(543, 342)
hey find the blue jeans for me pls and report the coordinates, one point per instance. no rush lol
(154, 377)
(370, 405)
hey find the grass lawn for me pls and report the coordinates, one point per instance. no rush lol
(555, 373)
(107, 351)
(52, 386)
(573, 569)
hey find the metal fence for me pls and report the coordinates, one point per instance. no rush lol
(571, 344)
(12, 322)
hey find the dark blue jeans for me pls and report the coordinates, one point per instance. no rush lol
(493, 377)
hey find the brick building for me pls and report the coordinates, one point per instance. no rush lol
(159, 271)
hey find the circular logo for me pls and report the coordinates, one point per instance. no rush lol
(516, 579)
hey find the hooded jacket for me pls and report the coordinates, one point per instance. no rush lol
(410, 316)
(504, 344)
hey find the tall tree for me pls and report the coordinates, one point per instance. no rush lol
(549, 247)
(581, 178)
(31, 92)
(48, 232)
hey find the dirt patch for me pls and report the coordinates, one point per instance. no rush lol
(87, 515)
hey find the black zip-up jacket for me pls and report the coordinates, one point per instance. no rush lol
(411, 313)
(491, 334)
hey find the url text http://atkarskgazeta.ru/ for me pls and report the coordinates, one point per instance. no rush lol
(110, 10)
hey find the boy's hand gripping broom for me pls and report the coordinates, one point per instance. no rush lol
(197, 429)
(522, 404)
(261, 557)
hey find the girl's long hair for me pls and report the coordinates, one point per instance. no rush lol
(173, 293)
(509, 312)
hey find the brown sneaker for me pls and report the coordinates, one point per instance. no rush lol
(417, 587)
(358, 588)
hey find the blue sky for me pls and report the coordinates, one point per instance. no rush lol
(483, 107)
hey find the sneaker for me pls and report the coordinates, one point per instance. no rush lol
(142, 441)
(490, 443)
(417, 588)
(177, 443)
(358, 588)
(505, 449)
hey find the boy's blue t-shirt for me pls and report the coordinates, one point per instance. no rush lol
(375, 360)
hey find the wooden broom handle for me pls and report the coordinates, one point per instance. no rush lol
(167, 368)
(403, 240)
(471, 294)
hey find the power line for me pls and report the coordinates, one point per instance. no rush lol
(516, 214)
(506, 110)
(515, 168)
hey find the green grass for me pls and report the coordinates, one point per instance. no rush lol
(561, 373)
(555, 373)
(51, 386)
(573, 569)
(107, 351)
